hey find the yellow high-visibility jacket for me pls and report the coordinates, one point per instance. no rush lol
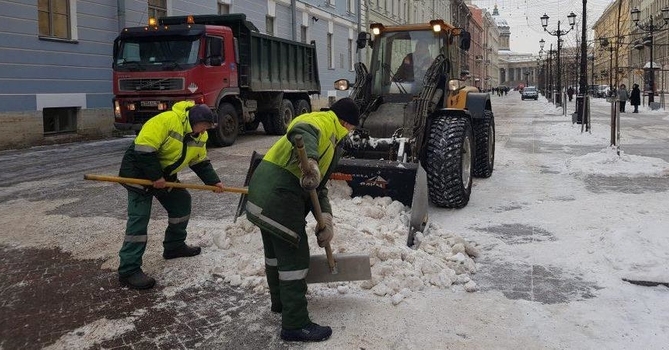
(166, 145)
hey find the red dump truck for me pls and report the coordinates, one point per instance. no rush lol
(223, 61)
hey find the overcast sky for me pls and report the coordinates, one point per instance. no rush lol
(524, 16)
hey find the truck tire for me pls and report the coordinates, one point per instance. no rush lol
(227, 130)
(484, 136)
(277, 123)
(449, 161)
(301, 107)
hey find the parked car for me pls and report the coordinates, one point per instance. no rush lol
(603, 91)
(529, 92)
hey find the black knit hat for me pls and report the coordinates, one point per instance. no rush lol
(201, 113)
(346, 110)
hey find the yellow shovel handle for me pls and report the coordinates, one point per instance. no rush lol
(145, 182)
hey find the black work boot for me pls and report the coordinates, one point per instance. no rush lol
(310, 332)
(138, 280)
(183, 251)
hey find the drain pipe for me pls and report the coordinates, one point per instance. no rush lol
(120, 14)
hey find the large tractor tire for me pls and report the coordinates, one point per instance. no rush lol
(484, 134)
(449, 161)
(301, 107)
(227, 130)
(277, 123)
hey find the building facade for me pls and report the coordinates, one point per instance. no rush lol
(56, 55)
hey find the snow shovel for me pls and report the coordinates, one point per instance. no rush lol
(330, 268)
(145, 182)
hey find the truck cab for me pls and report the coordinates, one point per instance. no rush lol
(155, 67)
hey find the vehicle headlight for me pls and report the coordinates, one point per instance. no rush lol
(341, 84)
(454, 84)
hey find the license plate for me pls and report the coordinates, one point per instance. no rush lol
(150, 103)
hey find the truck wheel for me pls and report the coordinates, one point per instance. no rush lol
(302, 107)
(484, 134)
(227, 130)
(449, 161)
(277, 123)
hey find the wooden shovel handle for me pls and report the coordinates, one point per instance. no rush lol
(145, 182)
(318, 214)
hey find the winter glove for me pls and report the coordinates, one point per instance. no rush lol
(324, 235)
(311, 176)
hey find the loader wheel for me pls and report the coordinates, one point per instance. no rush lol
(277, 123)
(484, 134)
(301, 107)
(227, 130)
(449, 161)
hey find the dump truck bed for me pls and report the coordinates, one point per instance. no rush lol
(266, 63)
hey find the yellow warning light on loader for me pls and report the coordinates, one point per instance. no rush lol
(190, 20)
(152, 21)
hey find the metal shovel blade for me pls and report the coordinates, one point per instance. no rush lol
(350, 267)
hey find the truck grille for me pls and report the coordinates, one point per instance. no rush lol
(165, 84)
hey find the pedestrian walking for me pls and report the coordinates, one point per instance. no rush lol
(167, 143)
(635, 97)
(570, 93)
(623, 96)
(279, 201)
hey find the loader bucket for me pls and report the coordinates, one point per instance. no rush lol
(378, 178)
(403, 182)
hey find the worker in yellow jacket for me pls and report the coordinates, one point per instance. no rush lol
(167, 143)
(279, 201)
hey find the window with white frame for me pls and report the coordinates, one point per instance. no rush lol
(351, 53)
(330, 51)
(59, 120)
(54, 18)
(303, 34)
(157, 8)
(350, 6)
(269, 25)
(223, 9)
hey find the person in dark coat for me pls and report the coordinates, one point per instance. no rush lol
(570, 93)
(635, 97)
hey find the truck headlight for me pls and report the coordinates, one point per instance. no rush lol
(117, 110)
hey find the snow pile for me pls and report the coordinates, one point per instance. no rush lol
(363, 225)
(607, 162)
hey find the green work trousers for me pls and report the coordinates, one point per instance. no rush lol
(177, 203)
(286, 267)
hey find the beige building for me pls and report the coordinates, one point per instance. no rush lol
(612, 45)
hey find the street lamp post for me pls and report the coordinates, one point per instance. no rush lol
(527, 79)
(558, 33)
(650, 28)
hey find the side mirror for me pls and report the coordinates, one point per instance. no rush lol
(342, 84)
(364, 39)
(465, 40)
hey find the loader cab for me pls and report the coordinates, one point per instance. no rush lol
(400, 60)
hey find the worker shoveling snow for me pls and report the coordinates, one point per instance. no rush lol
(374, 226)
